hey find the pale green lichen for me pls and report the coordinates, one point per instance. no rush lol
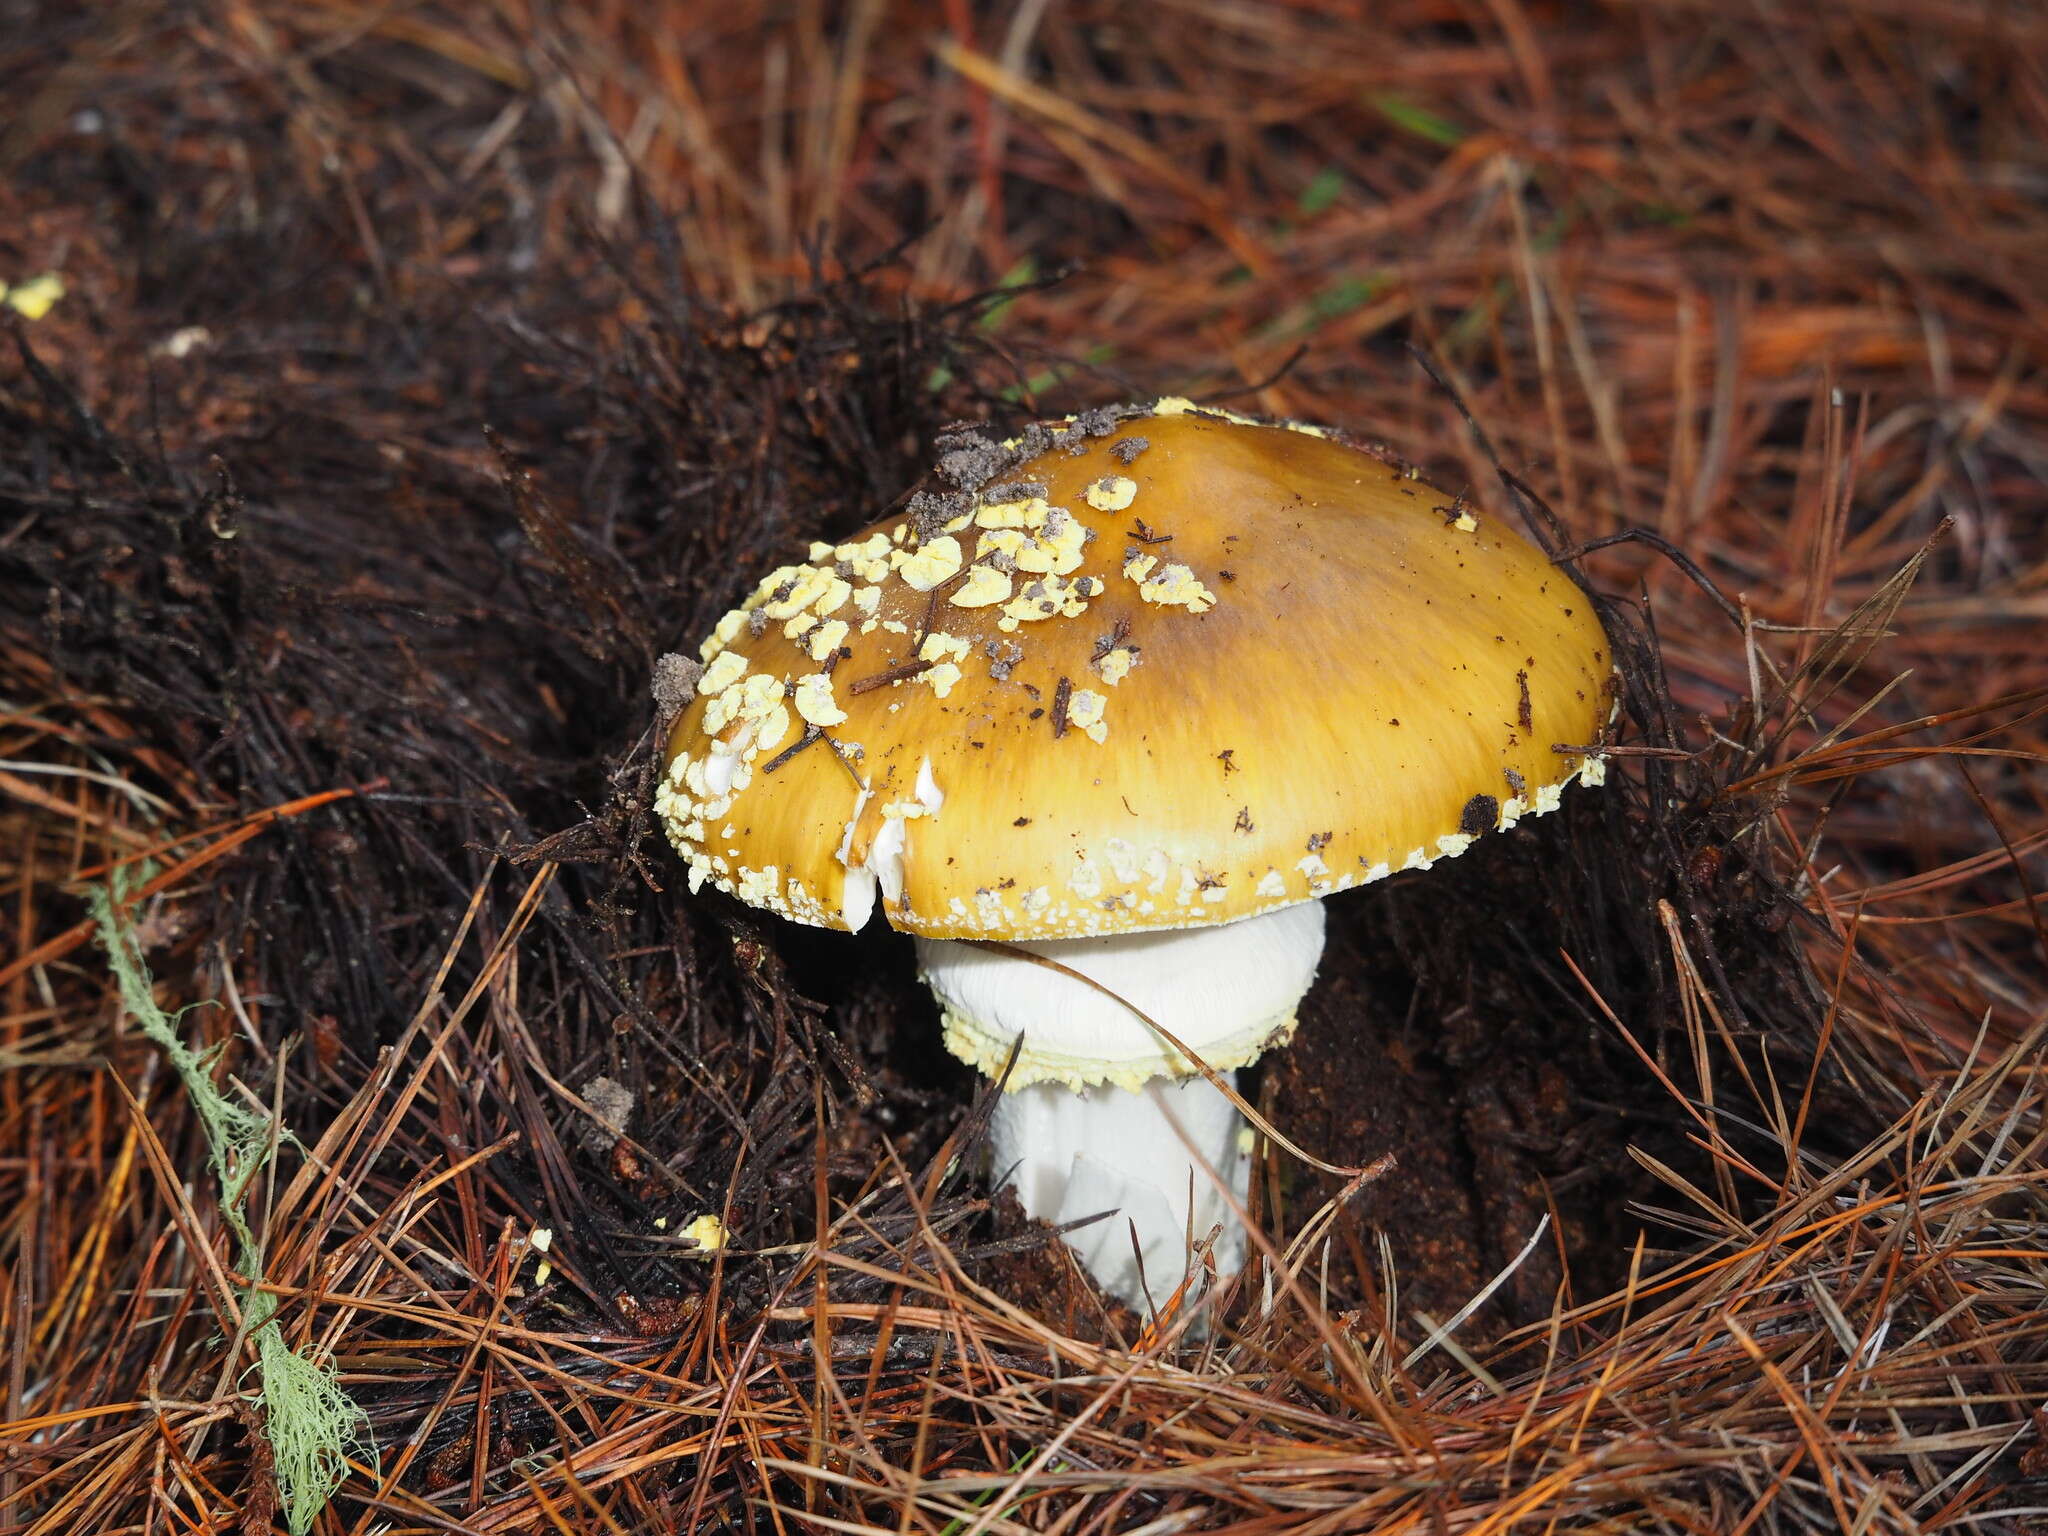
(313, 1426)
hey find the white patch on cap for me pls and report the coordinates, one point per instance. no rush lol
(928, 793)
(885, 855)
(857, 899)
(723, 765)
(1123, 859)
(857, 895)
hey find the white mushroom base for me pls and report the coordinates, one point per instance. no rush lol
(1070, 1155)
(1085, 1125)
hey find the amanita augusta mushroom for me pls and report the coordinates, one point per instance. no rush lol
(1130, 694)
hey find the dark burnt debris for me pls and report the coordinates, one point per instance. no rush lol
(811, 734)
(1480, 816)
(1117, 634)
(896, 674)
(972, 462)
(1098, 421)
(932, 510)
(1013, 490)
(1003, 656)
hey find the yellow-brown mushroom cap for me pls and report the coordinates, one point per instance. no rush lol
(1185, 669)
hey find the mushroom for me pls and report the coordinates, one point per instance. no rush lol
(1100, 718)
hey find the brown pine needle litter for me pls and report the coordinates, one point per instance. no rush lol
(383, 388)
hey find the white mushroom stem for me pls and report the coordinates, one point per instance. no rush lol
(1089, 1123)
(1071, 1155)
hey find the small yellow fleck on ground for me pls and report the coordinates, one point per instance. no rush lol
(708, 1233)
(35, 297)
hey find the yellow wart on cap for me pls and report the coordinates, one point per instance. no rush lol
(930, 564)
(1115, 664)
(814, 701)
(1175, 586)
(1112, 493)
(1084, 712)
(984, 586)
